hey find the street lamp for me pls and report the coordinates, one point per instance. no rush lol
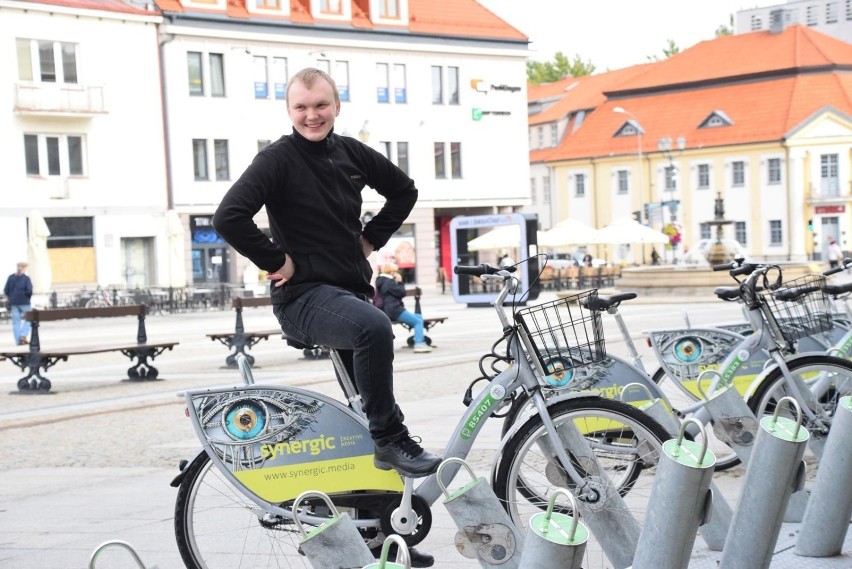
(664, 145)
(638, 127)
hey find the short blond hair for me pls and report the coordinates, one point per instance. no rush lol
(389, 268)
(307, 77)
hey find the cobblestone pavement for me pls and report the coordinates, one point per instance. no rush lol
(111, 429)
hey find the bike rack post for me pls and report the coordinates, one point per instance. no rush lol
(245, 369)
(776, 470)
(486, 531)
(681, 500)
(826, 518)
(336, 543)
(715, 529)
(733, 421)
(403, 558)
(554, 539)
(116, 543)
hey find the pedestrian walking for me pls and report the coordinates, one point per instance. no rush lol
(19, 292)
(835, 253)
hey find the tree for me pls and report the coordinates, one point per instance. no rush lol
(549, 71)
(724, 30)
(668, 51)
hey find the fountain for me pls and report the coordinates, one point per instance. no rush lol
(720, 251)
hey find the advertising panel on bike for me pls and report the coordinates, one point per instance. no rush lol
(279, 442)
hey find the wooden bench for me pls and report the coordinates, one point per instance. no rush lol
(239, 339)
(427, 322)
(34, 359)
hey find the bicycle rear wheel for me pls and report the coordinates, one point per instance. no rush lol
(217, 527)
(626, 442)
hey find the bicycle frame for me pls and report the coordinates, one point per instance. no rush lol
(258, 435)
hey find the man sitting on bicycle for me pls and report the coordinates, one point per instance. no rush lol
(310, 182)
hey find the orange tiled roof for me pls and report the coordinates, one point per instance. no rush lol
(765, 101)
(106, 5)
(454, 18)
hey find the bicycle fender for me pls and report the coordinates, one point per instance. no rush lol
(184, 468)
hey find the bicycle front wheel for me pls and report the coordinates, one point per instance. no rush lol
(217, 527)
(626, 442)
(828, 377)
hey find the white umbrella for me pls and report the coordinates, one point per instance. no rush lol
(501, 237)
(628, 230)
(175, 231)
(39, 270)
(568, 232)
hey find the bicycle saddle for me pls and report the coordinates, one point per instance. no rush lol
(603, 302)
(727, 292)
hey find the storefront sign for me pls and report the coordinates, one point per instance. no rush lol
(825, 209)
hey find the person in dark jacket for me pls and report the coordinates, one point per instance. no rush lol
(19, 292)
(310, 182)
(389, 285)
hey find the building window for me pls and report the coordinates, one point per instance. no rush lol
(199, 159)
(440, 168)
(546, 197)
(455, 160)
(332, 7)
(279, 77)
(402, 156)
(69, 232)
(532, 191)
(756, 23)
(622, 181)
(580, 185)
(389, 9)
(704, 231)
(738, 174)
(540, 137)
(775, 236)
(740, 232)
(671, 178)
(703, 176)
(437, 85)
(220, 155)
(554, 138)
(773, 173)
(196, 73)
(831, 13)
(217, 75)
(811, 15)
(383, 83)
(47, 61)
(261, 80)
(261, 144)
(341, 77)
(849, 9)
(267, 4)
(829, 183)
(53, 155)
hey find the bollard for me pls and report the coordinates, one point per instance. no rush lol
(486, 531)
(776, 469)
(826, 519)
(336, 544)
(715, 529)
(681, 500)
(403, 559)
(554, 539)
(733, 421)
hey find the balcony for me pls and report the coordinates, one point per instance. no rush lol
(59, 99)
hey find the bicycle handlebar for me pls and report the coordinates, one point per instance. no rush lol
(481, 269)
(847, 263)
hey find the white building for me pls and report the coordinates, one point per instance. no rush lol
(82, 134)
(830, 17)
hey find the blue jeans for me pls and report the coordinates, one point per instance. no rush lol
(415, 321)
(20, 326)
(330, 316)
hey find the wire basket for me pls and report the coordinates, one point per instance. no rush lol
(564, 331)
(799, 307)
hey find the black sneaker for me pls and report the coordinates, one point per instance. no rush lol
(418, 558)
(406, 457)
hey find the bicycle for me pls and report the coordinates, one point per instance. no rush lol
(262, 446)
